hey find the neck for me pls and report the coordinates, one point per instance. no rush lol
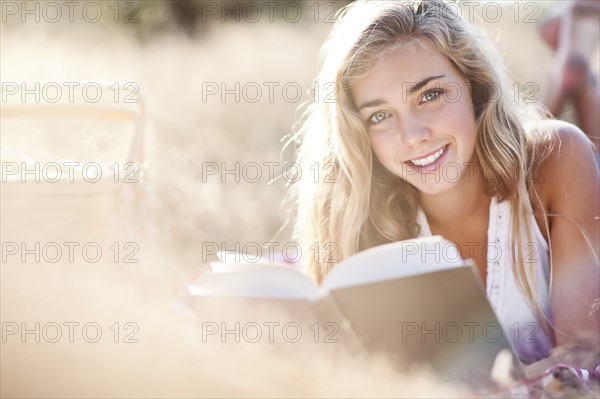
(454, 206)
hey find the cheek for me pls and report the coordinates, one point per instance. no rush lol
(381, 149)
(464, 118)
(385, 157)
(470, 130)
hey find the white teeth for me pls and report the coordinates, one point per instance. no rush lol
(428, 160)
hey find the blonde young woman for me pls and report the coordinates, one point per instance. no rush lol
(421, 136)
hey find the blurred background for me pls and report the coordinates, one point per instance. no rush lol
(221, 85)
(189, 91)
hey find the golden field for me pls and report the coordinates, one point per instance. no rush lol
(179, 203)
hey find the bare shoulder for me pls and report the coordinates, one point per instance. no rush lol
(569, 175)
(569, 168)
(555, 132)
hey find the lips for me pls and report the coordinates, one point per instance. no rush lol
(429, 158)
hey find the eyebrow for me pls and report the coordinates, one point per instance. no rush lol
(411, 90)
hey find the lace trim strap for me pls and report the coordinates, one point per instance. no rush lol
(496, 252)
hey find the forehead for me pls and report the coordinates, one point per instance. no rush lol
(401, 68)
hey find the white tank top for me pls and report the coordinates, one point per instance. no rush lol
(517, 319)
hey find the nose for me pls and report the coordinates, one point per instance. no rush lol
(413, 131)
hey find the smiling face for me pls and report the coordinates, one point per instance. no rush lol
(417, 109)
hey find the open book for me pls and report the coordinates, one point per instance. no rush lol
(415, 302)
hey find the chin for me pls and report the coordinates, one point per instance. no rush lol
(433, 186)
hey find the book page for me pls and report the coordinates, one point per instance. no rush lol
(261, 281)
(224, 267)
(394, 260)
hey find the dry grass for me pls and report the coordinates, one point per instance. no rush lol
(174, 212)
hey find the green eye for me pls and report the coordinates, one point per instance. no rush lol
(377, 117)
(431, 95)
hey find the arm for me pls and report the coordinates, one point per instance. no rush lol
(571, 183)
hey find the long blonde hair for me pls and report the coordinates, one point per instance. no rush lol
(361, 204)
